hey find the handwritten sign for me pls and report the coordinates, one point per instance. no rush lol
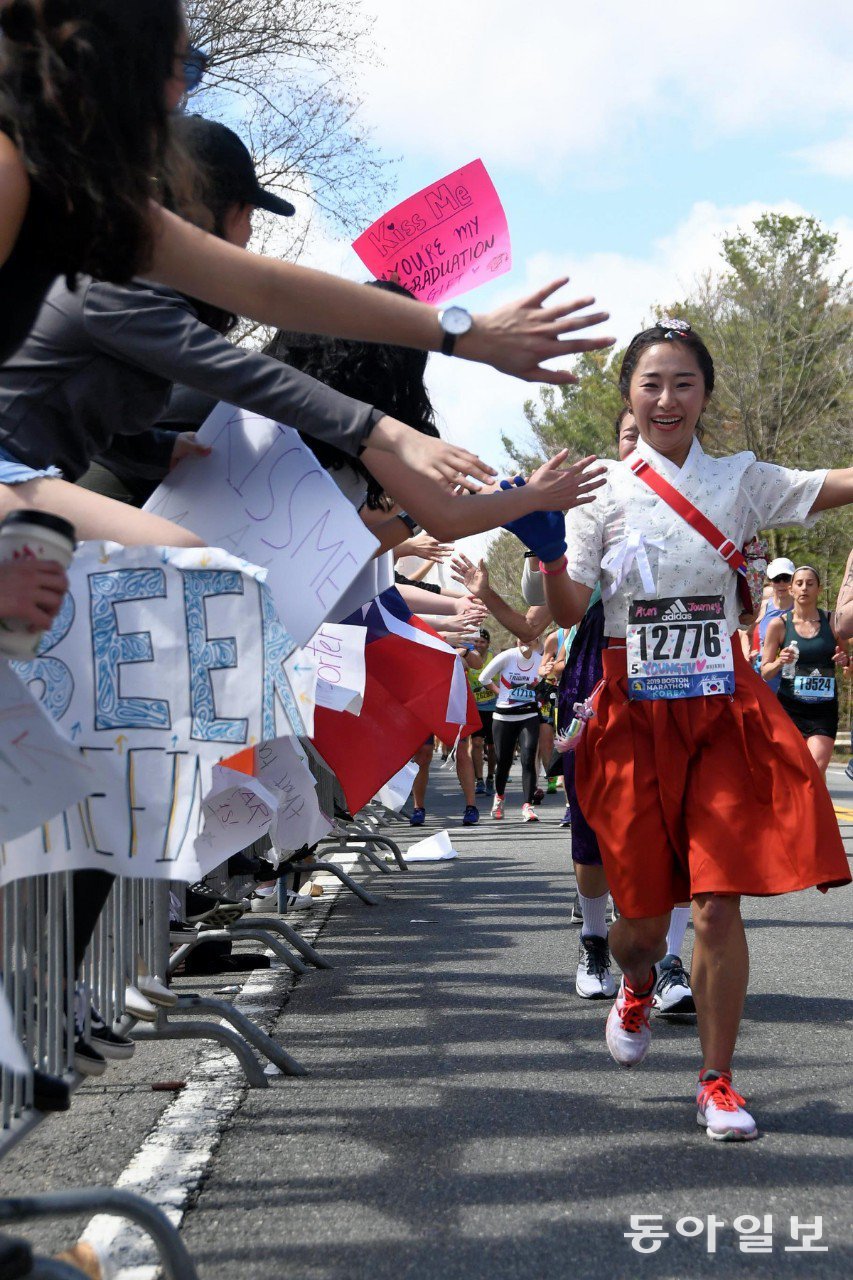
(447, 239)
(41, 772)
(263, 496)
(279, 770)
(160, 662)
(338, 651)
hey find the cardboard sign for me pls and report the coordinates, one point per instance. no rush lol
(263, 496)
(447, 239)
(41, 773)
(160, 662)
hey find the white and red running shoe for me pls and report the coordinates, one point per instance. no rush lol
(528, 813)
(721, 1110)
(498, 808)
(628, 1032)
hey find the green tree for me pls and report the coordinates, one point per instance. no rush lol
(779, 322)
(579, 417)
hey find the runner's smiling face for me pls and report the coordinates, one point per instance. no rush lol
(667, 398)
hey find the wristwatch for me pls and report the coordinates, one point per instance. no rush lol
(455, 321)
(411, 524)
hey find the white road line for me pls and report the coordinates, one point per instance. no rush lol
(169, 1166)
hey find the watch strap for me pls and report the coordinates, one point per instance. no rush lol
(448, 342)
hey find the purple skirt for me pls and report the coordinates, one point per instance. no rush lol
(581, 674)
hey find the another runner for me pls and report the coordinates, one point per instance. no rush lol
(682, 726)
(801, 650)
(514, 676)
(780, 573)
(482, 743)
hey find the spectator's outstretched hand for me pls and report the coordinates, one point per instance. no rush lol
(31, 591)
(518, 337)
(475, 578)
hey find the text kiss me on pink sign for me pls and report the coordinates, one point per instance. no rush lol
(446, 239)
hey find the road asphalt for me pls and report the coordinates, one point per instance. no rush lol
(461, 1116)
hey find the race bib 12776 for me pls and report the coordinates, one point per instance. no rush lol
(679, 648)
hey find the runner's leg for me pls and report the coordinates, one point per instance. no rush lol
(719, 976)
(423, 759)
(821, 750)
(505, 734)
(465, 772)
(528, 743)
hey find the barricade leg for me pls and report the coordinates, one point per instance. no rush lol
(168, 1029)
(248, 1029)
(293, 937)
(334, 870)
(372, 837)
(176, 1261)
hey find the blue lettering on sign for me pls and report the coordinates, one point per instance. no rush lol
(208, 655)
(55, 678)
(278, 646)
(111, 648)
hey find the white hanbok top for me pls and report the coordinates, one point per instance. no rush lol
(641, 549)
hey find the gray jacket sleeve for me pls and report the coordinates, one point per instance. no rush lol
(156, 329)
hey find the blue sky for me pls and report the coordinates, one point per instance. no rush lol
(624, 141)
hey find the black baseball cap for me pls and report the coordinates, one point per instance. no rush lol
(218, 149)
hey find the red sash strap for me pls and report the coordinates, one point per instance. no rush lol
(724, 546)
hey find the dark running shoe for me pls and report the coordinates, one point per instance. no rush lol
(471, 816)
(480, 788)
(593, 979)
(538, 795)
(566, 820)
(109, 1043)
(672, 989)
(418, 817)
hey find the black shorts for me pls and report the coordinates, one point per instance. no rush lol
(813, 719)
(486, 731)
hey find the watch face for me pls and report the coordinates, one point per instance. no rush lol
(455, 320)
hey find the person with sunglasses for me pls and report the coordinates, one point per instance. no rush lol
(778, 604)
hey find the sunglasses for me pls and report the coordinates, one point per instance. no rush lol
(782, 577)
(194, 64)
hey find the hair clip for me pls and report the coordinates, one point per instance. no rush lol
(674, 328)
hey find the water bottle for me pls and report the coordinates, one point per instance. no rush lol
(790, 668)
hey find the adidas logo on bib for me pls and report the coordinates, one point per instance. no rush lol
(677, 612)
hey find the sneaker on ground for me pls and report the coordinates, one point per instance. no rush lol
(528, 813)
(490, 786)
(87, 1060)
(138, 1006)
(672, 989)
(566, 820)
(298, 901)
(576, 915)
(418, 817)
(480, 787)
(262, 898)
(109, 1043)
(498, 808)
(551, 788)
(50, 1093)
(156, 991)
(538, 795)
(593, 980)
(721, 1111)
(628, 1033)
(213, 909)
(471, 816)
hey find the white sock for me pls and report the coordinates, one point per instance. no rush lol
(678, 922)
(594, 912)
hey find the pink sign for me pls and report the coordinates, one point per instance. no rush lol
(448, 238)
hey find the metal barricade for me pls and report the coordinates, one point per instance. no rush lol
(37, 944)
